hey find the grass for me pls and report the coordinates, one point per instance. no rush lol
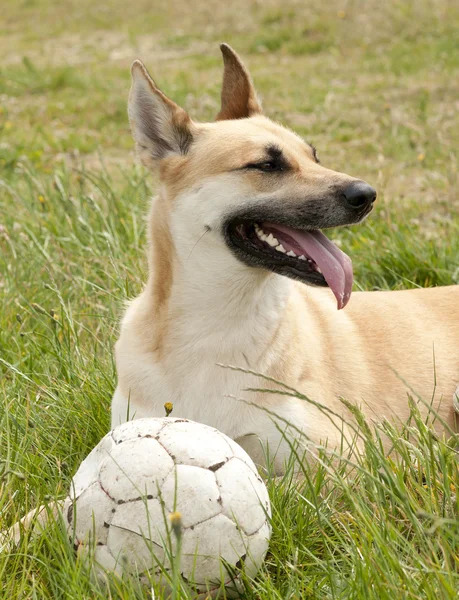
(375, 87)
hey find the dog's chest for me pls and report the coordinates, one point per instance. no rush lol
(200, 384)
(193, 370)
(204, 381)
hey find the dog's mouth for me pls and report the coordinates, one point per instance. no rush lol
(307, 255)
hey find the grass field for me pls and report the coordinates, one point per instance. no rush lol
(375, 86)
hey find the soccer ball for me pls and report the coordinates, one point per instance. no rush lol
(159, 494)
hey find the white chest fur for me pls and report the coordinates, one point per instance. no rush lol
(204, 333)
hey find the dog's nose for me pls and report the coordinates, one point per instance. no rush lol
(360, 195)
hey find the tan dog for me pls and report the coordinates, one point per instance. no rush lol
(240, 274)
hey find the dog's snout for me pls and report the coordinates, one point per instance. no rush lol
(359, 195)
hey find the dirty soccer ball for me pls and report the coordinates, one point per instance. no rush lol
(155, 489)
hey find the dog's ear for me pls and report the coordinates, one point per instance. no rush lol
(239, 98)
(159, 126)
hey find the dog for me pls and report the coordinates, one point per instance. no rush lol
(241, 275)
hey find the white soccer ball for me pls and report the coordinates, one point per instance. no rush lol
(124, 493)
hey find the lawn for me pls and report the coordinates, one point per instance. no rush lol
(375, 86)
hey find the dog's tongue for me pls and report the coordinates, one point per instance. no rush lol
(336, 266)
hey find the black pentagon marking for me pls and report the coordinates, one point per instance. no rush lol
(113, 510)
(150, 497)
(107, 525)
(120, 502)
(100, 543)
(70, 513)
(216, 466)
(241, 561)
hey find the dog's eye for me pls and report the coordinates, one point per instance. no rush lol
(267, 166)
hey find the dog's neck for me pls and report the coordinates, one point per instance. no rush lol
(229, 311)
(213, 303)
(227, 298)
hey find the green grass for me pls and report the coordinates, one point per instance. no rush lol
(375, 86)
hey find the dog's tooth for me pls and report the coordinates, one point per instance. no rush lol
(261, 235)
(280, 248)
(291, 253)
(318, 270)
(272, 240)
(302, 257)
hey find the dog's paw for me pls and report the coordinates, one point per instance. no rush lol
(34, 522)
(10, 538)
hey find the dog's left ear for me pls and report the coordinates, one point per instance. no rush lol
(159, 126)
(239, 98)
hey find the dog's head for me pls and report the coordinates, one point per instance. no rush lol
(249, 184)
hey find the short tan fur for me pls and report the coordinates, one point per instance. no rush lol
(203, 306)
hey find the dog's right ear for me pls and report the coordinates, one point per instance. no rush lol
(159, 126)
(239, 98)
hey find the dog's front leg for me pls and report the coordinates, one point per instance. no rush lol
(34, 522)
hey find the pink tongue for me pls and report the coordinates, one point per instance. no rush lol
(336, 266)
